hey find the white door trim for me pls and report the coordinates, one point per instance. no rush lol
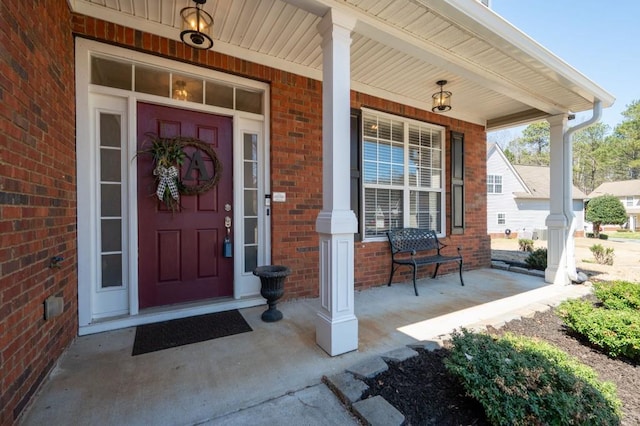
(246, 286)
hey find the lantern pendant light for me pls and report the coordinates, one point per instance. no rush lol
(196, 26)
(441, 99)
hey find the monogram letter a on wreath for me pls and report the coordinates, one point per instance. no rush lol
(169, 155)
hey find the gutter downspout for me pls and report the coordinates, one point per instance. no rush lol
(568, 206)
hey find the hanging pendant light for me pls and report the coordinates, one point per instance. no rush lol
(196, 26)
(180, 90)
(441, 99)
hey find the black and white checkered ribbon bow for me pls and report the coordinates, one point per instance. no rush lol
(168, 177)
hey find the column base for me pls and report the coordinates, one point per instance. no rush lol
(556, 276)
(337, 337)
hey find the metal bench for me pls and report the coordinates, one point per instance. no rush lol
(414, 241)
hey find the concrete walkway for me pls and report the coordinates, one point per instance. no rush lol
(272, 375)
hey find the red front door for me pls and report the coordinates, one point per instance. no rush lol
(180, 256)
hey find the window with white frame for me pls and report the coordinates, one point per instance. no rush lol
(494, 184)
(629, 201)
(403, 174)
(502, 218)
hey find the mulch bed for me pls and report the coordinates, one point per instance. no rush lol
(426, 394)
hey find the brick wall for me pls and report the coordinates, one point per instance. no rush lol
(296, 161)
(37, 194)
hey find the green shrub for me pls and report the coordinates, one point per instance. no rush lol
(521, 381)
(590, 235)
(618, 294)
(525, 244)
(603, 236)
(537, 259)
(603, 256)
(617, 332)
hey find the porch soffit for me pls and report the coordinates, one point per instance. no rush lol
(400, 49)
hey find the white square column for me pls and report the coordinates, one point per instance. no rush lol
(560, 209)
(336, 324)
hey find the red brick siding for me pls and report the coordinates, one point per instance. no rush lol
(296, 161)
(37, 194)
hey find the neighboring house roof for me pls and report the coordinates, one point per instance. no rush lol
(493, 147)
(620, 188)
(538, 180)
(499, 76)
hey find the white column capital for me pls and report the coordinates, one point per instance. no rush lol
(556, 120)
(335, 19)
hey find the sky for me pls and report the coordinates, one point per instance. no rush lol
(599, 38)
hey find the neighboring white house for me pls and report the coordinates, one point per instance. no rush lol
(518, 198)
(628, 191)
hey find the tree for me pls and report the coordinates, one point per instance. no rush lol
(533, 147)
(607, 210)
(591, 159)
(626, 144)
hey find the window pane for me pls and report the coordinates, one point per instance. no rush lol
(397, 131)
(250, 202)
(250, 175)
(249, 101)
(110, 165)
(106, 72)
(251, 146)
(370, 150)
(370, 126)
(111, 232)
(152, 81)
(110, 200)
(219, 95)
(250, 258)
(384, 152)
(425, 210)
(384, 128)
(384, 174)
(370, 172)
(110, 130)
(397, 175)
(186, 89)
(383, 211)
(251, 231)
(111, 270)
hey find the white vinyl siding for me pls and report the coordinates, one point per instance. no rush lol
(403, 174)
(521, 214)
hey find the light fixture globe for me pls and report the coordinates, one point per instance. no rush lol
(441, 99)
(196, 26)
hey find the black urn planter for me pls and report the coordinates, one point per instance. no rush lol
(272, 288)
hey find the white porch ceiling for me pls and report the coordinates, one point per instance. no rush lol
(400, 48)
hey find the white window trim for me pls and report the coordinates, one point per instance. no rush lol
(406, 188)
(493, 184)
(504, 216)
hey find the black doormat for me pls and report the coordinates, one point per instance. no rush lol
(184, 331)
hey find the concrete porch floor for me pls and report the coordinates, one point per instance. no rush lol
(273, 374)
